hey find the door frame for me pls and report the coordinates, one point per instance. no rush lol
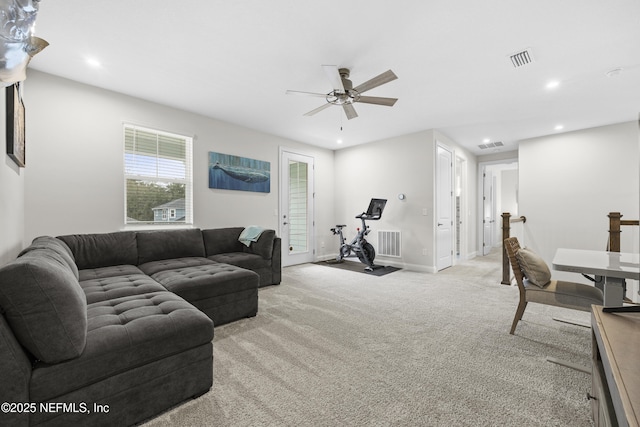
(311, 198)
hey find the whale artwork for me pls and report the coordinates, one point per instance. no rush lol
(17, 43)
(231, 172)
(242, 173)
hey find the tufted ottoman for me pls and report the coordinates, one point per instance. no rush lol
(223, 292)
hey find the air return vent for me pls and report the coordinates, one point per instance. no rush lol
(389, 243)
(519, 59)
(491, 145)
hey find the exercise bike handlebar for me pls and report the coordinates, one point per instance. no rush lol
(364, 215)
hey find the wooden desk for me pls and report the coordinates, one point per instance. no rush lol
(615, 389)
(609, 268)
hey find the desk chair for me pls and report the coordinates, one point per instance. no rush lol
(535, 284)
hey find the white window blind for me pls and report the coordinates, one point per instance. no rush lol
(298, 177)
(158, 177)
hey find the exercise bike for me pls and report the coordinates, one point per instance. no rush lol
(359, 245)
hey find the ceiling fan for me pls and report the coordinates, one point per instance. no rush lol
(345, 94)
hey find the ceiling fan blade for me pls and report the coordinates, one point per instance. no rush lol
(297, 92)
(334, 77)
(350, 111)
(383, 78)
(317, 110)
(377, 100)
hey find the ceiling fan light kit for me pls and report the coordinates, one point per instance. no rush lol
(345, 95)
(348, 95)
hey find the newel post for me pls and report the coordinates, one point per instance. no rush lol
(614, 231)
(506, 219)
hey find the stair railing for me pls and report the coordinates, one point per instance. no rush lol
(615, 221)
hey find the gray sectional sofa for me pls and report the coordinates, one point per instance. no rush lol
(111, 329)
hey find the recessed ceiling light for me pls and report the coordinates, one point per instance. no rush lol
(559, 127)
(93, 62)
(553, 84)
(339, 141)
(486, 140)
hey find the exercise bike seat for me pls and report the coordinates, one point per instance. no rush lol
(341, 225)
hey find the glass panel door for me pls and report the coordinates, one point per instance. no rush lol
(296, 208)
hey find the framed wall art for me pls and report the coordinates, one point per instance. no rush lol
(15, 124)
(239, 173)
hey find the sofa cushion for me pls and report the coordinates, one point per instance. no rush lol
(534, 267)
(45, 306)
(123, 334)
(222, 240)
(15, 372)
(103, 250)
(159, 245)
(57, 246)
(108, 288)
(243, 259)
(207, 281)
(112, 271)
(225, 240)
(263, 246)
(153, 267)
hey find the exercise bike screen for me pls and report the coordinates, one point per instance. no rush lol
(376, 206)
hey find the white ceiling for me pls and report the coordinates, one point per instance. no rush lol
(234, 60)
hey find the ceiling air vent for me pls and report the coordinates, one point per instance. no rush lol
(491, 145)
(519, 59)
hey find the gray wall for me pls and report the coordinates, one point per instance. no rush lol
(11, 198)
(509, 192)
(74, 178)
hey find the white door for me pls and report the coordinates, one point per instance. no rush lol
(488, 213)
(444, 208)
(296, 208)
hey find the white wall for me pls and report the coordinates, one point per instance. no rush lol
(384, 169)
(569, 183)
(11, 198)
(74, 179)
(509, 192)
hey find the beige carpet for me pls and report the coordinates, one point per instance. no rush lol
(339, 348)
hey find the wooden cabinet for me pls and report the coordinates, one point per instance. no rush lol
(615, 393)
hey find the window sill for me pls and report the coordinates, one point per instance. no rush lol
(156, 226)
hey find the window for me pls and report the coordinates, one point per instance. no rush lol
(158, 178)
